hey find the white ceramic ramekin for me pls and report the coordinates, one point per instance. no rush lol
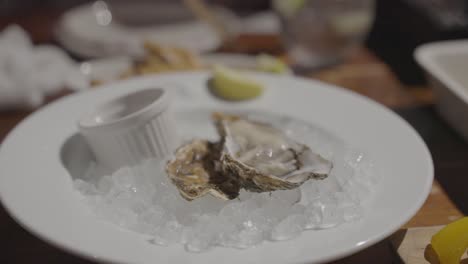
(131, 128)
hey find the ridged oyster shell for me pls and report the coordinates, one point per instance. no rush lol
(195, 172)
(249, 155)
(264, 158)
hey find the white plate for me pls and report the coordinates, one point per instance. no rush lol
(37, 190)
(79, 31)
(109, 69)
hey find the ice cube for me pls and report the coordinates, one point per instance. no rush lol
(199, 243)
(208, 204)
(203, 234)
(287, 196)
(343, 199)
(122, 217)
(274, 211)
(168, 233)
(105, 184)
(352, 213)
(245, 195)
(313, 216)
(262, 221)
(84, 187)
(244, 235)
(357, 190)
(297, 209)
(236, 211)
(169, 200)
(154, 216)
(289, 227)
(310, 191)
(332, 214)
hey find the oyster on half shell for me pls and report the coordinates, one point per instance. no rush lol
(195, 172)
(249, 155)
(263, 158)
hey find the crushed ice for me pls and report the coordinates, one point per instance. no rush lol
(142, 199)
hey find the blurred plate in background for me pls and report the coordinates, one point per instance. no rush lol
(111, 69)
(91, 31)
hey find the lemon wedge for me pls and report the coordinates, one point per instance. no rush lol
(233, 85)
(451, 242)
(272, 64)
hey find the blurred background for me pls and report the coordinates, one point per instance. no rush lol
(399, 25)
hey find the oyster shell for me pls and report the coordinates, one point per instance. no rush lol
(263, 158)
(195, 172)
(250, 155)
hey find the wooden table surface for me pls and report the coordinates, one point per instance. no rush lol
(363, 73)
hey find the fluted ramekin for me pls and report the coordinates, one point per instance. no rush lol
(130, 128)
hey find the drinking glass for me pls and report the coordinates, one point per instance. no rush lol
(318, 33)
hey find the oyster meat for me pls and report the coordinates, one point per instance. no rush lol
(250, 155)
(263, 158)
(196, 172)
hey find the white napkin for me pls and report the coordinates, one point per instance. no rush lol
(28, 73)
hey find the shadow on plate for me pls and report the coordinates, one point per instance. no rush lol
(76, 156)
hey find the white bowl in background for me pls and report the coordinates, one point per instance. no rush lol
(446, 66)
